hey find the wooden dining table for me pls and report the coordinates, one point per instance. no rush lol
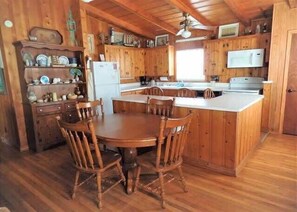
(128, 131)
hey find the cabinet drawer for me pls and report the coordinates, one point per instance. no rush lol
(49, 109)
(70, 106)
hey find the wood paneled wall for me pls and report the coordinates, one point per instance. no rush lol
(26, 14)
(284, 20)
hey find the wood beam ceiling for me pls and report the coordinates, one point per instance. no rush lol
(130, 6)
(185, 7)
(292, 3)
(116, 21)
(237, 11)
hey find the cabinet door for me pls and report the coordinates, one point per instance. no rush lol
(162, 62)
(112, 54)
(126, 63)
(225, 46)
(139, 62)
(265, 44)
(246, 43)
(150, 62)
(47, 131)
(214, 58)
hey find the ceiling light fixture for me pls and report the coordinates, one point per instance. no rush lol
(87, 1)
(186, 34)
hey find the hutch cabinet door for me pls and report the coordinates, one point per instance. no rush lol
(47, 131)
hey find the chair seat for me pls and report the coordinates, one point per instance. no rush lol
(148, 160)
(109, 158)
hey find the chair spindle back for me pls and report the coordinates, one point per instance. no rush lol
(160, 107)
(90, 109)
(173, 136)
(185, 92)
(78, 143)
(156, 91)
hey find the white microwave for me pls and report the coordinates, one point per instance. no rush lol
(245, 58)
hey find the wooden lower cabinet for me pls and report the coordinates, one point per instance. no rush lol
(218, 140)
(46, 130)
(125, 93)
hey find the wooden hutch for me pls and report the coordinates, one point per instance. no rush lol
(40, 114)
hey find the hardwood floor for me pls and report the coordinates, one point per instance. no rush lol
(43, 181)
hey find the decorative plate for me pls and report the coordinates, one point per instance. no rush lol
(63, 60)
(43, 59)
(44, 80)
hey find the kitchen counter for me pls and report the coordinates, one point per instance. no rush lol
(228, 102)
(224, 130)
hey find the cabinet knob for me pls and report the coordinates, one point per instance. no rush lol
(70, 115)
(59, 108)
(40, 110)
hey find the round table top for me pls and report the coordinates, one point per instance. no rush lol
(128, 129)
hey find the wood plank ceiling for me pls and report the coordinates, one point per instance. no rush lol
(154, 17)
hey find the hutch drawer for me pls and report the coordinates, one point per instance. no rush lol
(49, 109)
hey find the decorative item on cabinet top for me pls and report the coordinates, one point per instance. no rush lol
(44, 35)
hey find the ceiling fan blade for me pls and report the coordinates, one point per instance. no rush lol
(180, 32)
(200, 26)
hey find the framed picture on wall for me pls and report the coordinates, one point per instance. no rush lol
(229, 30)
(161, 40)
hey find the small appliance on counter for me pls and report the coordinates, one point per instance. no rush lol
(143, 80)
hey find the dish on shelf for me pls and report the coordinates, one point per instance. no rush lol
(44, 80)
(41, 60)
(27, 58)
(63, 60)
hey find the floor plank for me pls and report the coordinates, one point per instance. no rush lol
(43, 181)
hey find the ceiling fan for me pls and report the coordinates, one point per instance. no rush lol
(190, 23)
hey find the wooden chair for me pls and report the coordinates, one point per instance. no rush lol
(167, 156)
(154, 91)
(94, 162)
(208, 94)
(90, 109)
(185, 92)
(160, 107)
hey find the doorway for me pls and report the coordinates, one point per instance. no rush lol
(290, 115)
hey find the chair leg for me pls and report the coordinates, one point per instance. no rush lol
(99, 190)
(161, 178)
(138, 169)
(121, 172)
(182, 179)
(75, 183)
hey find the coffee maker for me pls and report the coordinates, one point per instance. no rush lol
(143, 80)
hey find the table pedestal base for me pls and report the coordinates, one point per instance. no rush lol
(129, 167)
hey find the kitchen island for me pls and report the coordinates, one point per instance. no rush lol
(224, 131)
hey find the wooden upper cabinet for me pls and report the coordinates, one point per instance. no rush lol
(135, 62)
(215, 51)
(159, 61)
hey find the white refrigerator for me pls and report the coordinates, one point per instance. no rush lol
(105, 83)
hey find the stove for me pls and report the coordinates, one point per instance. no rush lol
(245, 85)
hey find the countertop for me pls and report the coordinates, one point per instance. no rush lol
(197, 88)
(201, 86)
(228, 102)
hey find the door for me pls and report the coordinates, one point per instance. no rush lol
(290, 120)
